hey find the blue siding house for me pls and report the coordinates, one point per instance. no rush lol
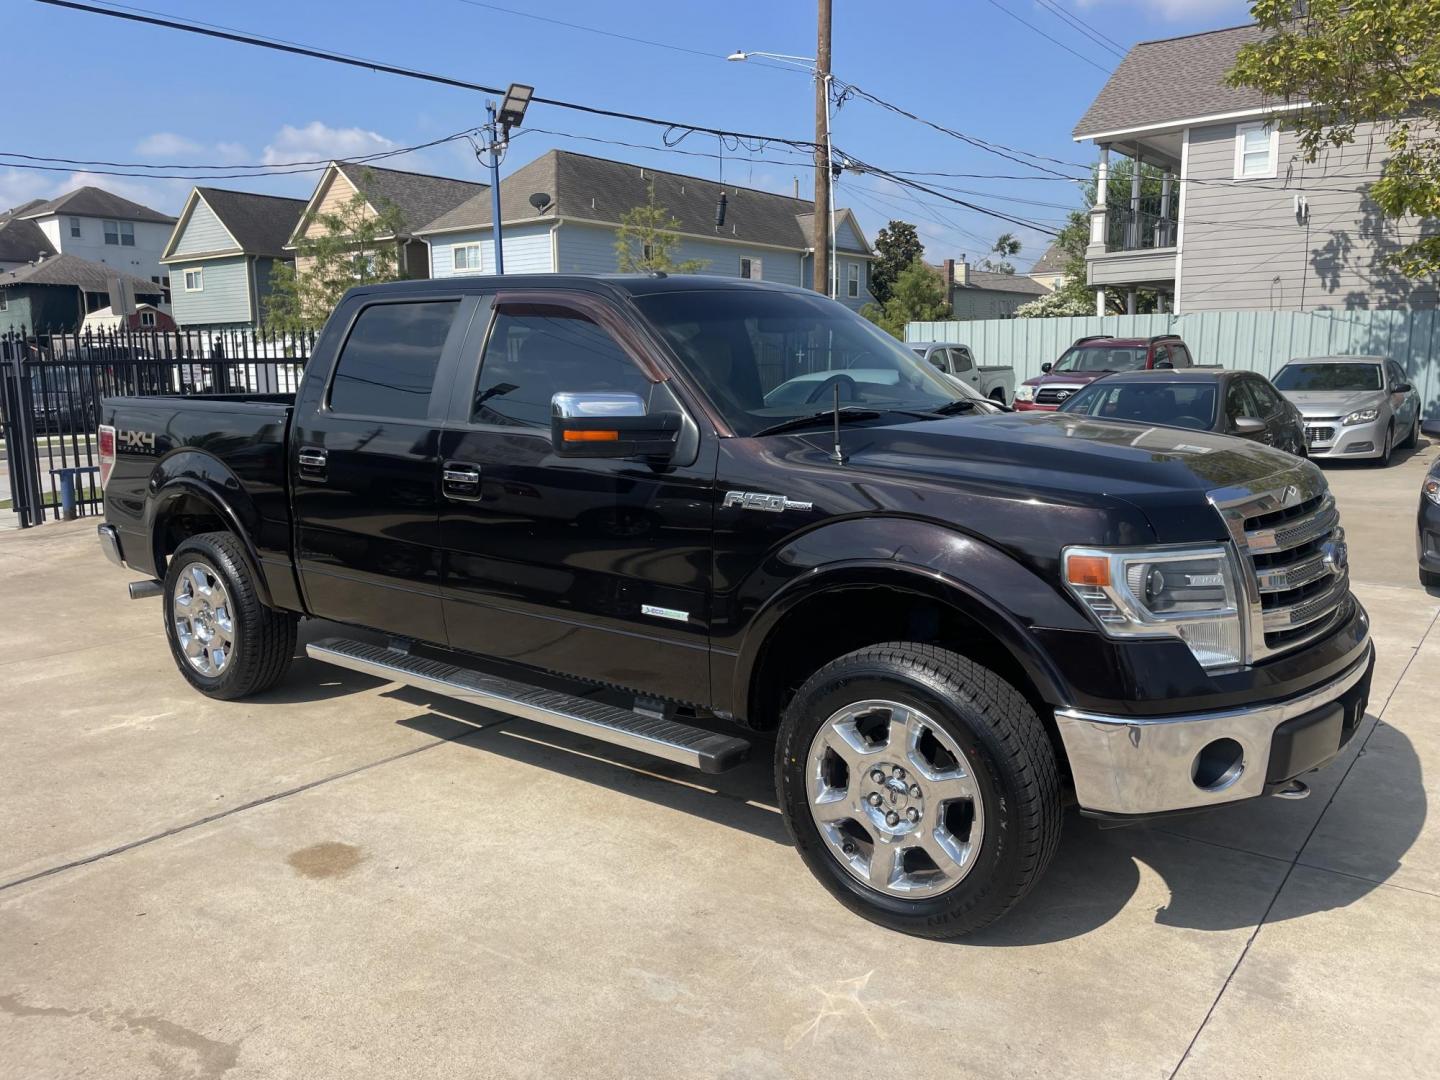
(221, 253)
(562, 210)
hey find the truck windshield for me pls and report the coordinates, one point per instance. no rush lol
(1101, 357)
(764, 357)
(1301, 377)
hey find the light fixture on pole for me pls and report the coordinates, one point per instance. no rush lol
(823, 240)
(511, 115)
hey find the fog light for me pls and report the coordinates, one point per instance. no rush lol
(1360, 448)
(1218, 765)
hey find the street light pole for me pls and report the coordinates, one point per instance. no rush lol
(494, 129)
(824, 227)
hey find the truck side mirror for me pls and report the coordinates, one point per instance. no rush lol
(1045, 367)
(1166, 364)
(605, 424)
(1400, 388)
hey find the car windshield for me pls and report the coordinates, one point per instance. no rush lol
(1185, 405)
(1101, 357)
(764, 357)
(1302, 377)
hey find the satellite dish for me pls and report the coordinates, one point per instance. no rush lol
(540, 200)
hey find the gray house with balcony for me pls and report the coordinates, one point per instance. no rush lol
(1230, 217)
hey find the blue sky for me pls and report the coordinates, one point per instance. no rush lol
(129, 93)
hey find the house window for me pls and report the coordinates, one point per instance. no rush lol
(195, 279)
(1257, 147)
(752, 269)
(75, 227)
(147, 318)
(467, 258)
(852, 280)
(4, 301)
(121, 233)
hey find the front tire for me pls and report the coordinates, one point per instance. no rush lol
(225, 642)
(919, 787)
(1412, 439)
(1386, 449)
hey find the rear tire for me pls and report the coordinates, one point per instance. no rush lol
(225, 642)
(920, 788)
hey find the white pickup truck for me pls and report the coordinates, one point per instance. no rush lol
(957, 361)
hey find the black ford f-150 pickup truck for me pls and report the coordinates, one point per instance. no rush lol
(675, 513)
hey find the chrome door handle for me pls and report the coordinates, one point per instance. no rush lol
(313, 461)
(460, 480)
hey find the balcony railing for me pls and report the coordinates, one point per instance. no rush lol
(1138, 228)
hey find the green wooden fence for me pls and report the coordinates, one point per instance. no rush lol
(1258, 340)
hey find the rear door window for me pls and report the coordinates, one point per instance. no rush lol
(536, 351)
(387, 366)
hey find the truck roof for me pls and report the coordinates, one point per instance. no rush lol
(633, 284)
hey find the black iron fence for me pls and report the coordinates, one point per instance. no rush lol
(51, 387)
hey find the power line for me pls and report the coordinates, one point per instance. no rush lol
(244, 38)
(1107, 43)
(1047, 37)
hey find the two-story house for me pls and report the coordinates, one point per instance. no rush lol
(1237, 220)
(222, 253)
(562, 210)
(415, 198)
(99, 226)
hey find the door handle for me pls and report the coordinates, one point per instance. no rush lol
(460, 480)
(313, 460)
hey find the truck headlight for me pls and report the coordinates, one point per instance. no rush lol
(1360, 416)
(1024, 393)
(1186, 593)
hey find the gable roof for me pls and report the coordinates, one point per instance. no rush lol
(1052, 261)
(418, 197)
(598, 189)
(22, 241)
(1176, 79)
(990, 281)
(259, 224)
(78, 273)
(92, 202)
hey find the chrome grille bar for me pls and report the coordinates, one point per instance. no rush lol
(1294, 533)
(1307, 611)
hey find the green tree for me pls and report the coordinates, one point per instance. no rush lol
(1006, 246)
(1360, 62)
(918, 295)
(646, 240)
(897, 246)
(340, 249)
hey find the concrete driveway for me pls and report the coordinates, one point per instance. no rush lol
(349, 879)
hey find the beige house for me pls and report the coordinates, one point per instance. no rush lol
(417, 197)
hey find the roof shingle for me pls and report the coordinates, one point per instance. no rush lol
(76, 272)
(22, 241)
(418, 197)
(260, 224)
(1172, 80)
(92, 202)
(599, 189)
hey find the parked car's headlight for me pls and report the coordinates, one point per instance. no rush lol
(1024, 393)
(1186, 593)
(1431, 490)
(1360, 416)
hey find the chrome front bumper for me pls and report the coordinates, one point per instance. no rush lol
(110, 544)
(1138, 766)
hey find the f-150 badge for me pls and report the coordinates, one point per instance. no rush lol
(755, 500)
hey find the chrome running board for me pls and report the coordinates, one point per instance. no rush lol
(680, 743)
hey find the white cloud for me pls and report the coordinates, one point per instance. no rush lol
(19, 186)
(316, 141)
(166, 144)
(231, 153)
(1178, 10)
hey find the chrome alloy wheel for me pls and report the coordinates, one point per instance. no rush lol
(204, 623)
(895, 799)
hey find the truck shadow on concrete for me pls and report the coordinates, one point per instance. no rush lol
(1096, 872)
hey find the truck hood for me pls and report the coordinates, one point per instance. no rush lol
(1055, 457)
(1334, 402)
(1067, 378)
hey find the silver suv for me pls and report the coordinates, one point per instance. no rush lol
(1354, 406)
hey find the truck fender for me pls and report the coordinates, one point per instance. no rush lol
(204, 477)
(922, 558)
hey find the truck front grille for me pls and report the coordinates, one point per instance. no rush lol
(1054, 395)
(1292, 546)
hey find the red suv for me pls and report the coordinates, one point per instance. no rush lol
(1091, 358)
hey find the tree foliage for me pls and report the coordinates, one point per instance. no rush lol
(1354, 63)
(1006, 246)
(647, 238)
(897, 246)
(918, 295)
(338, 250)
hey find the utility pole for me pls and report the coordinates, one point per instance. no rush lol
(821, 232)
(494, 130)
